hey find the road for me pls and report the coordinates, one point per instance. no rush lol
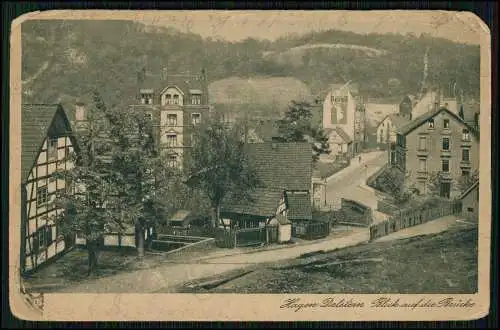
(171, 275)
(348, 182)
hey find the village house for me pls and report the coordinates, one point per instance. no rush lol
(283, 192)
(176, 103)
(437, 141)
(343, 110)
(46, 145)
(470, 202)
(386, 129)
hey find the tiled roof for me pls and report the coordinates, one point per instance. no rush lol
(471, 188)
(180, 215)
(36, 119)
(417, 122)
(284, 166)
(299, 207)
(260, 202)
(340, 133)
(397, 120)
(184, 82)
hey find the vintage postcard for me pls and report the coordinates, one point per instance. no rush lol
(250, 165)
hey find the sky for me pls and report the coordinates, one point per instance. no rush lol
(460, 27)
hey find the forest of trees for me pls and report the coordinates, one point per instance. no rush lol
(63, 60)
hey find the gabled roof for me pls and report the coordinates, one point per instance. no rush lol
(283, 166)
(185, 82)
(260, 202)
(340, 133)
(397, 120)
(36, 121)
(299, 207)
(468, 191)
(422, 119)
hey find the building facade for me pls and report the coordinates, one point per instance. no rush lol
(386, 129)
(176, 103)
(437, 142)
(343, 108)
(47, 143)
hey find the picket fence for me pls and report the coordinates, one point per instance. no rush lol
(413, 217)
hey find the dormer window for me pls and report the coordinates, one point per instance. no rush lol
(175, 99)
(168, 99)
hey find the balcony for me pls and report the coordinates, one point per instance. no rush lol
(422, 174)
(423, 152)
(445, 153)
(465, 164)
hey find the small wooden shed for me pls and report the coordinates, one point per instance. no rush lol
(180, 219)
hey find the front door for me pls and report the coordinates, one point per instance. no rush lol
(445, 189)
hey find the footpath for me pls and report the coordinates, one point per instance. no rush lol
(173, 275)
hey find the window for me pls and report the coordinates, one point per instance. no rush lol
(41, 196)
(431, 123)
(422, 143)
(176, 99)
(465, 135)
(446, 123)
(52, 148)
(172, 161)
(148, 116)
(446, 143)
(168, 99)
(465, 173)
(172, 120)
(445, 188)
(42, 238)
(196, 117)
(195, 99)
(171, 140)
(465, 155)
(67, 152)
(423, 165)
(470, 209)
(445, 165)
(381, 136)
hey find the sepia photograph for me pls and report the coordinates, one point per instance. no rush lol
(280, 154)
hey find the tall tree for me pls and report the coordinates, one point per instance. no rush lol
(297, 126)
(89, 187)
(219, 165)
(146, 184)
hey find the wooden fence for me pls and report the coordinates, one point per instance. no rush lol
(231, 238)
(311, 229)
(412, 217)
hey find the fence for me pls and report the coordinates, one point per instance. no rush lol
(197, 231)
(231, 238)
(387, 207)
(311, 229)
(414, 216)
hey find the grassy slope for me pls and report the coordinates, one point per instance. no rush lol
(441, 263)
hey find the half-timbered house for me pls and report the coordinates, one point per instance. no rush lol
(46, 143)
